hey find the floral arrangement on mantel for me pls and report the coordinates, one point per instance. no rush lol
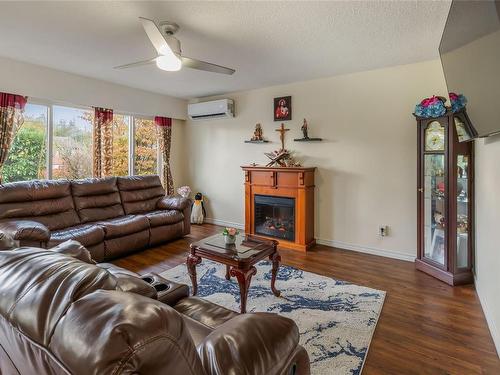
(184, 191)
(435, 105)
(230, 235)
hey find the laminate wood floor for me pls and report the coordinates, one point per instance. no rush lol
(426, 326)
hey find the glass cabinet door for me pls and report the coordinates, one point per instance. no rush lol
(434, 193)
(462, 211)
(434, 208)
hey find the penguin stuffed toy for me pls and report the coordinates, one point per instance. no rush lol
(198, 212)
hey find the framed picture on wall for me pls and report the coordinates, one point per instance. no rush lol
(283, 108)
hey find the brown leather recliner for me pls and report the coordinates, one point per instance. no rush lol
(111, 216)
(60, 314)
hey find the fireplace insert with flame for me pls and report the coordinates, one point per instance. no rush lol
(275, 217)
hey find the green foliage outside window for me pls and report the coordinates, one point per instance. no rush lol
(26, 159)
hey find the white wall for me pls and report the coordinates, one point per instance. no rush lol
(367, 162)
(487, 199)
(45, 83)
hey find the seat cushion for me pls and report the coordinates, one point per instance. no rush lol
(86, 234)
(164, 217)
(124, 225)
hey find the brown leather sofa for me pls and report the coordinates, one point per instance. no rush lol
(111, 217)
(62, 314)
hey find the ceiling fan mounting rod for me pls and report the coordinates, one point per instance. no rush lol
(168, 28)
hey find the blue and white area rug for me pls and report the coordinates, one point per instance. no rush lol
(336, 319)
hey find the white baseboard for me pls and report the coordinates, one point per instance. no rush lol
(367, 249)
(224, 223)
(495, 333)
(332, 243)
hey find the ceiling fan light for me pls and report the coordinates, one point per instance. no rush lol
(170, 63)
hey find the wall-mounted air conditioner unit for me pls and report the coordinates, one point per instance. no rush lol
(214, 109)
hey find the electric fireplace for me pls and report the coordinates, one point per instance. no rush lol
(279, 205)
(275, 216)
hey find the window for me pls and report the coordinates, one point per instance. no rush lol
(55, 141)
(146, 147)
(121, 125)
(72, 153)
(27, 157)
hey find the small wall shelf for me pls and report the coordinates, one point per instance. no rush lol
(308, 139)
(263, 141)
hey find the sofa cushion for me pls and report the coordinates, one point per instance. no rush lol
(47, 202)
(37, 287)
(140, 194)
(97, 199)
(159, 218)
(86, 234)
(122, 226)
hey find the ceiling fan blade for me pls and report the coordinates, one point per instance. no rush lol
(188, 62)
(137, 63)
(154, 35)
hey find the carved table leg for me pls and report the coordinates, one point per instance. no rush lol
(276, 259)
(192, 261)
(244, 277)
(228, 276)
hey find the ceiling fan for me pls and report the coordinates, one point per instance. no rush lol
(170, 57)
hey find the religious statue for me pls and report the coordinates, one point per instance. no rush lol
(305, 134)
(304, 129)
(282, 131)
(257, 134)
(281, 157)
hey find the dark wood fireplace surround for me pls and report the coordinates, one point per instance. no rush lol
(293, 182)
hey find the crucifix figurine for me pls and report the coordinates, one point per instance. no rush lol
(282, 131)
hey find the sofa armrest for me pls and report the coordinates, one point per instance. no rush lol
(251, 344)
(74, 249)
(168, 292)
(26, 231)
(173, 202)
(128, 281)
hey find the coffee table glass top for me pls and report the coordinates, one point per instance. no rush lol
(246, 246)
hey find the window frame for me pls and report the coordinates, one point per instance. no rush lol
(50, 104)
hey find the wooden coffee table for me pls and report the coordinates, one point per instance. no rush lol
(239, 260)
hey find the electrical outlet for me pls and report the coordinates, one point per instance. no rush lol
(383, 230)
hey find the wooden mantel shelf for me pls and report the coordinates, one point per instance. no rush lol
(289, 182)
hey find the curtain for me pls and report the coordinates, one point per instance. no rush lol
(164, 131)
(102, 145)
(11, 119)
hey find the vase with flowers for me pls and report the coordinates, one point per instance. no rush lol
(229, 235)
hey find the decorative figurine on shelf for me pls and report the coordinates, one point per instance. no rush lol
(258, 136)
(439, 218)
(304, 129)
(198, 212)
(305, 133)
